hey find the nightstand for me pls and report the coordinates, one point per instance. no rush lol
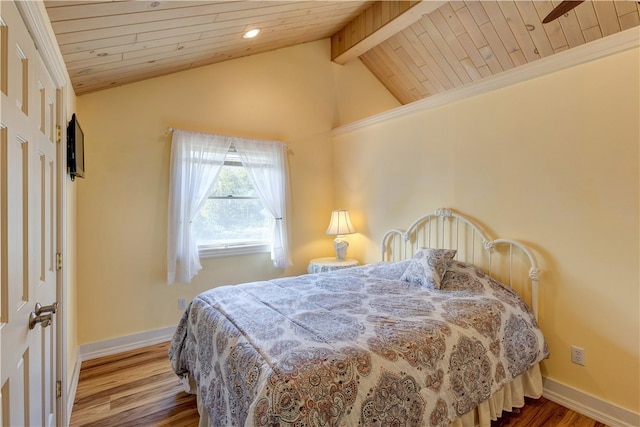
(321, 265)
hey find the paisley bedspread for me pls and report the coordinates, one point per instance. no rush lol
(354, 347)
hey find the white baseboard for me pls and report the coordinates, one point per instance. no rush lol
(593, 407)
(126, 343)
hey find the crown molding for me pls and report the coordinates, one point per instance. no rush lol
(588, 52)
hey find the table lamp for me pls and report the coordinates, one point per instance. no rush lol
(339, 226)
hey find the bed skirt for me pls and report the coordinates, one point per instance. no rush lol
(511, 396)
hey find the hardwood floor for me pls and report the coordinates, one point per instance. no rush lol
(135, 388)
(138, 388)
(544, 413)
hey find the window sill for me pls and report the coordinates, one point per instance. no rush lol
(232, 250)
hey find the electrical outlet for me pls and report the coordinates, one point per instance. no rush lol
(577, 355)
(181, 304)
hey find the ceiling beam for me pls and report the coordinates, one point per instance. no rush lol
(376, 24)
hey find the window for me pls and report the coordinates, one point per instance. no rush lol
(247, 207)
(233, 219)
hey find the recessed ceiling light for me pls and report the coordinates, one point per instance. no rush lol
(251, 33)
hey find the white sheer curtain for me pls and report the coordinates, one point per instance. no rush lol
(196, 159)
(266, 166)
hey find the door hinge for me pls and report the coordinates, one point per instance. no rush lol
(58, 388)
(58, 133)
(58, 260)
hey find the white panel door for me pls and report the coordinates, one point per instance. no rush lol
(27, 227)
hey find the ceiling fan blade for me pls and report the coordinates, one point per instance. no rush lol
(560, 10)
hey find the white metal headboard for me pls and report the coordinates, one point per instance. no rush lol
(506, 260)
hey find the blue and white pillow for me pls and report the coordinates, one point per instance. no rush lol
(428, 266)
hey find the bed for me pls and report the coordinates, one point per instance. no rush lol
(441, 332)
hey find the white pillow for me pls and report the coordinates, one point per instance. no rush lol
(428, 266)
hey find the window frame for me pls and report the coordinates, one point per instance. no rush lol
(231, 249)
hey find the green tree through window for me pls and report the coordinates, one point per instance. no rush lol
(233, 214)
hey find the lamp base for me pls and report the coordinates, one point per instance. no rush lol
(341, 246)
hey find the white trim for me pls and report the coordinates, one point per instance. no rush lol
(35, 17)
(586, 404)
(73, 387)
(125, 343)
(62, 331)
(232, 250)
(591, 51)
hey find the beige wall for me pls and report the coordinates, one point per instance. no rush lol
(552, 161)
(293, 95)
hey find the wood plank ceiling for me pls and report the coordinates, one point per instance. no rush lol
(462, 42)
(416, 49)
(109, 43)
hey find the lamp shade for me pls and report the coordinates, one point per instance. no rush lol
(340, 223)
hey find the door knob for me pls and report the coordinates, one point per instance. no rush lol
(46, 308)
(44, 319)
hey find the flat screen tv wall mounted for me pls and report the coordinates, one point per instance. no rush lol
(75, 149)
